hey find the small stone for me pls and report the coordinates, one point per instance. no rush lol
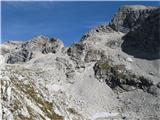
(154, 90)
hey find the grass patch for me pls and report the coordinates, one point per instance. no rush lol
(72, 111)
(104, 66)
(45, 106)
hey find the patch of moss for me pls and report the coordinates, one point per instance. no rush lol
(45, 106)
(121, 76)
(104, 66)
(24, 118)
(119, 71)
(1, 83)
(72, 111)
(92, 51)
(119, 67)
(15, 105)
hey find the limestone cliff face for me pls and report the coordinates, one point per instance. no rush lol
(27, 50)
(112, 73)
(144, 40)
(128, 17)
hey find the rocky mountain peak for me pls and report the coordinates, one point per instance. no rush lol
(27, 50)
(144, 39)
(129, 16)
(136, 7)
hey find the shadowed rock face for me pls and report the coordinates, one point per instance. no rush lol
(144, 40)
(141, 25)
(129, 16)
(22, 55)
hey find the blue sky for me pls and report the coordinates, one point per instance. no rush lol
(65, 20)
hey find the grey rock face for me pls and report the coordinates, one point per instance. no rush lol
(158, 85)
(99, 29)
(117, 76)
(53, 46)
(21, 56)
(76, 51)
(102, 28)
(36, 44)
(129, 16)
(9, 46)
(139, 105)
(144, 41)
(93, 55)
(24, 52)
(42, 44)
(154, 90)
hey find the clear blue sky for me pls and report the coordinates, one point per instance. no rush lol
(65, 20)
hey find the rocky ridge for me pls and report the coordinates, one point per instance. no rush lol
(101, 77)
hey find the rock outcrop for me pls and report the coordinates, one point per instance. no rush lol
(22, 55)
(53, 46)
(144, 40)
(129, 17)
(27, 50)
